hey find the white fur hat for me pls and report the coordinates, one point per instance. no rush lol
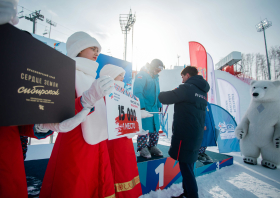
(80, 41)
(111, 70)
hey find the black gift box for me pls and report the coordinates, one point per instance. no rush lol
(37, 83)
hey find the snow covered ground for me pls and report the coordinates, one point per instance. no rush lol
(238, 180)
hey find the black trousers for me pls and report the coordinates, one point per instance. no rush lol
(189, 182)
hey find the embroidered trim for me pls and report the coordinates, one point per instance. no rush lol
(111, 196)
(127, 185)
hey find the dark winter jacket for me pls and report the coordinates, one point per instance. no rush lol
(190, 101)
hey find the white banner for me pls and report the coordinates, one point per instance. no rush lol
(59, 46)
(123, 113)
(211, 80)
(229, 98)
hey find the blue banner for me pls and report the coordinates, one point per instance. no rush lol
(209, 137)
(127, 66)
(225, 124)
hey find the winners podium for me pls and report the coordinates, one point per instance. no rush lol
(161, 172)
(155, 173)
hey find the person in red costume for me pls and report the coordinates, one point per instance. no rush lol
(12, 174)
(121, 150)
(79, 165)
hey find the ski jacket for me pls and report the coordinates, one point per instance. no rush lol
(190, 101)
(146, 88)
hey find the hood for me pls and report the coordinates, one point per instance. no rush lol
(199, 82)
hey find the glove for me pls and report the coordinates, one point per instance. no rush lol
(8, 12)
(145, 114)
(99, 88)
(66, 125)
(130, 135)
(143, 132)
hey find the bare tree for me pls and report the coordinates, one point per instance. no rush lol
(250, 60)
(277, 64)
(257, 65)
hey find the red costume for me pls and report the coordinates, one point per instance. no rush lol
(76, 168)
(124, 168)
(12, 172)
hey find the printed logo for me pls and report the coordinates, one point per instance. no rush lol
(56, 45)
(202, 72)
(41, 107)
(111, 96)
(200, 96)
(139, 77)
(226, 131)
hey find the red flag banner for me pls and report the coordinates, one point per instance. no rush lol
(198, 58)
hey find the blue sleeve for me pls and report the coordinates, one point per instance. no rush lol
(138, 89)
(159, 105)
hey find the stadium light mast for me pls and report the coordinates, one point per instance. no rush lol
(261, 26)
(33, 18)
(126, 21)
(52, 23)
(178, 59)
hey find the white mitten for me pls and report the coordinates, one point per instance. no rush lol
(99, 88)
(145, 114)
(143, 132)
(66, 125)
(131, 135)
(8, 12)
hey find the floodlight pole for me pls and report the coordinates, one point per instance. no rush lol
(126, 21)
(269, 76)
(264, 24)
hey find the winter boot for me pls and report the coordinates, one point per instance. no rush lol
(208, 159)
(145, 153)
(201, 158)
(155, 151)
(268, 164)
(180, 196)
(250, 160)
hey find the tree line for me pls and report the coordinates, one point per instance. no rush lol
(255, 65)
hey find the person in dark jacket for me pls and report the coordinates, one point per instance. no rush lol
(190, 101)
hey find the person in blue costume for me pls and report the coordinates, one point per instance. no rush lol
(146, 88)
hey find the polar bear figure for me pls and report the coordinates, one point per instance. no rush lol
(259, 129)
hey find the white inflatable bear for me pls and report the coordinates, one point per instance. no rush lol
(259, 130)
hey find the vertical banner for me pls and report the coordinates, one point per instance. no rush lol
(229, 98)
(211, 80)
(225, 126)
(198, 58)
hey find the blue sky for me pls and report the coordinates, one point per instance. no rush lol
(163, 28)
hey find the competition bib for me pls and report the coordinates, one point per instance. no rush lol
(123, 113)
